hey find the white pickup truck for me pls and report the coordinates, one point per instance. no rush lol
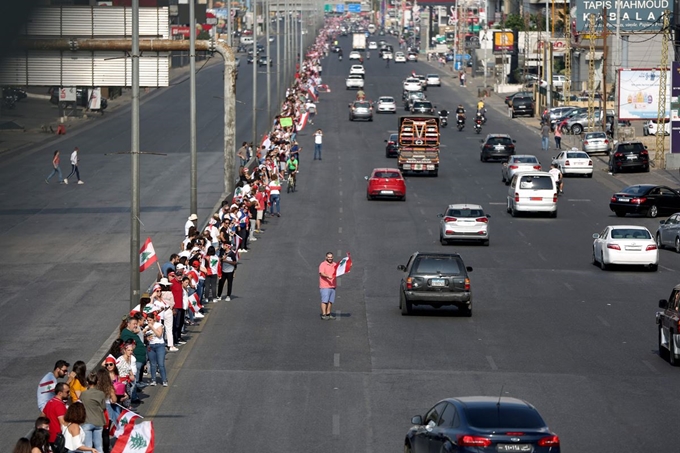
(354, 81)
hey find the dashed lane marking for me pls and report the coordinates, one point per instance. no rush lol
(429, 231)
(603, 321)
(569, 287)
(578, 199)
(492, 364)
(651, 367)
(336, 425)
(340, 230)
(336, 360)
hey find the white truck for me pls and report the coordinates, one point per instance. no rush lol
(358, 41)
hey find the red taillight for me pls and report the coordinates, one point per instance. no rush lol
(516, 197)
(473, 441)
(450, 219)
(513, 167)
(585, 142)
(650, 247)
(644, 153)
(613, 246)
(409, 283)
(482, 219)
(590, 163)
(612, 199)
(510, 146)
(619, 155)
(606, 142)
(554, 198)
(566, 163)
(537, 167)
(550, 441)
(467, 284)
(390, 143)
(638, 200)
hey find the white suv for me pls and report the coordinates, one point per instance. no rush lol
(651, 127)
(532, 192)
(354, 81)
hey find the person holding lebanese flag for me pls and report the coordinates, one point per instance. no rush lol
(328, 273)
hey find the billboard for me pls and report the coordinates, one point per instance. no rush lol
(636, 15)
(503, 41)
(639, 94)
(675, 108)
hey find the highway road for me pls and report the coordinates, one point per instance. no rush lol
(263, 372)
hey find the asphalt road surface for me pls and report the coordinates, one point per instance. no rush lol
(263, 372)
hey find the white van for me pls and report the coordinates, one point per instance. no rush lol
(247, 40)
(533, 191)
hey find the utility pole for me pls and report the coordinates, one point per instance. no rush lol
(267, 23)
(604, 69)
(548, 59)
(192, 109)
(255, 58)
(134, 154)
(230, 41)
(279, 66)
(617, 64)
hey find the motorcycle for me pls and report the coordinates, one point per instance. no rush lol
(339, 57)
(443, 120)
(460, 123)
(478, 125)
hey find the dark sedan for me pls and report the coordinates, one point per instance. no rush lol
(392, 148)
(645, 199)
(497, 146)
(481, 424)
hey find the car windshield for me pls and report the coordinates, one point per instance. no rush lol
(535, 182)
(432, 76)
(525, 160)
(593, 135)
(422, 105)
(386, 174)
(630, 233)
(363, 105)
(635, 190)
(499, 141)
(394, 137)
(465, 212)
(577, 156)
(386, 100)
(503, 417)
(437, 265)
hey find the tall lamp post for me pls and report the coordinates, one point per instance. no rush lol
(255, 58)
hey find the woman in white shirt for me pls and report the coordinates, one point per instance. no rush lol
(127, 365)
(156, 349)
(74, 435)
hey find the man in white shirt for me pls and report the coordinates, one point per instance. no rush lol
(191, 222)
(74, 167)
(556, 175)
(318, 140)
(49, 382)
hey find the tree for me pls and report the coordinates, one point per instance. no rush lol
(514, 22)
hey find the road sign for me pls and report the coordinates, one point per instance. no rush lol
(458, 57)
(354, 7)
(458, 65)
(327, 8)
(467, 56)
(340, 8)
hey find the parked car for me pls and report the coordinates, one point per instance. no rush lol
(595, 142)
(517, 164)
(386, 104)
(508, 98)
(532, 192)
(558, 81)
(625, 244)
(360, 110)
(392, 147)
(481, 424)
(668, 321)
(497, 146)
(82, 98)
(435, 279)
(629, 156)
(466, 222)
(645, 199)
(574, 162)
(651, 127)
(386, 183)
(522, 105)
(668, 233)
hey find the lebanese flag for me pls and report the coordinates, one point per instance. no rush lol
(310, 90)
(136, 438)
(125, 418)
(302, 121)
(344, 266)
(147, 255)
(194, 303)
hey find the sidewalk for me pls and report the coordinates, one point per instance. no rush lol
(34, 120)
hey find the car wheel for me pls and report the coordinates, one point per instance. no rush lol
(368, 197)
(483, 158)
(443, 241)
(677, 245)
(595, 262)
(406, 306)
(407, 448)
(589, 175)
(657, 239)
(663, 352)
(653, 211)
(502, 177)
(672, 358)
(576, 129)
(466, 311)
(485, 243)
(507, 208)
(653, 267)
(370, 119)
(403, 198)
(604, 266)
(646, 169)
(619, 213)
(553, 215)
(513, 213)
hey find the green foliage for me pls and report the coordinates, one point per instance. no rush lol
(203, 35)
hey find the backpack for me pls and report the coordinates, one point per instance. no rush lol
(59, 444)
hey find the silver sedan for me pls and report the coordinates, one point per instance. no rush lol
(668, 234)
(517, 164)
(386, 104)
(596, 142)
(464, 222)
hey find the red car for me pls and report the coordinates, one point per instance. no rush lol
(387, 183)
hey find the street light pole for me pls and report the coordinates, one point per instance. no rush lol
(267, 23)
(193, 195)
(255, 63)
(279, 66)
(134, 154)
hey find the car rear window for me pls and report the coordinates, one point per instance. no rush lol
(577, 156)
(500, 141)
(386, 174)
(635, 190)
(526, 160)
(513, 417)
(536, 182)
(465, 213)
(364, 105)
(630, 233)
(630, 148)
(437, 265)
(595, 135)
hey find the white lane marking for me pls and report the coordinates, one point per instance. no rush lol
(338, 314)
(667, 268)
(569, 287)
(651, 367)
(520, 233)
(429, 231)
(336, 425)
(603, 321)
(340, 179)
(336, 359)
(340, 209)
(476, 182)
(578, 199)
(415, 195)
(422, 211)
(492, 364)
(488, 195)
(341, 193)
(340, 230)
(541, 256)
(498, 203)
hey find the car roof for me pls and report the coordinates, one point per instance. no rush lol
(525, 155)
(485, 401)
(464, 206)
(386, 169)
(534, 173)
(386, 97)
(432, 75)
(437, 254)
(631, 227)
(497, 136)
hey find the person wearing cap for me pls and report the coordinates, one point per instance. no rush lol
(191, 222)
(156, 349)
(167, 315)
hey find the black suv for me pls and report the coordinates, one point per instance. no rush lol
(522, 105)
(435, 279)
(497, 146)
(668, 321)
(424, 107)
(629, 156)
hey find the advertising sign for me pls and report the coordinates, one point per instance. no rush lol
(636, 15)
(639, 94)
(503, 41)
(675, 108)
(94, 101)
(67, 94)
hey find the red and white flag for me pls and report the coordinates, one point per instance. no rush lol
(136, 438)
(344, 266)
(125, 418)
(194, 303)
(237, 246)
(147, 255)
(302, 121)
(310, 90)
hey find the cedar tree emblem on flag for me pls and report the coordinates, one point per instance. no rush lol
(147, 255)
(344, 266)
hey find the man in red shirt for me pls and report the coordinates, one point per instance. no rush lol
(178, 310)
(55, 409)
(327, 286)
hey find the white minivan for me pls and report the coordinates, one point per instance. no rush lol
(533, 191)
(247, 40)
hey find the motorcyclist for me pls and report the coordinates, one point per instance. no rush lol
(480, 106)
(460, 113)
(479, 119)
(444, 113)
(340, 54)
(361, 95)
